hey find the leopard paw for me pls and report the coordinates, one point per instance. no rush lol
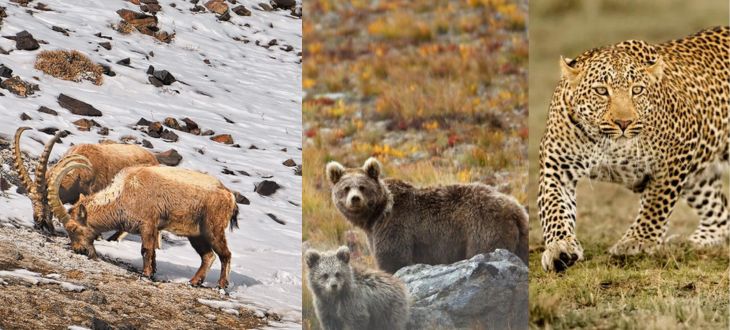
(559, 255)
(629, 246)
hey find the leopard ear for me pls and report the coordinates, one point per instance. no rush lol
(568, 72)
(656, 68)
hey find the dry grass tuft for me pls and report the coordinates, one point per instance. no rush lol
(69, 65)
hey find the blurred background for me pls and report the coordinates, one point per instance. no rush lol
(679, 288)
(436, 90)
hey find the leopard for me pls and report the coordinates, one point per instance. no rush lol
(650, 117)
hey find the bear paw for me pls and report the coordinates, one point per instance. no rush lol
(559, 255)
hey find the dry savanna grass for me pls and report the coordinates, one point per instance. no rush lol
(680, 287)
(69, 65)
(436, 90)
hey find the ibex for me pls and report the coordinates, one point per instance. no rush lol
(106, 161)
(145, 200)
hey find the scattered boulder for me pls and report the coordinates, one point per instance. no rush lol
(154, 129)
(107, 70)
(19, 87)
(169, 136)
(265, 6)
(217, 6)
(125, 61)
(191, 126)
(164, 76)
(207, 133)
(143, 122)
(25, 41)
(150, 69)
(47, 110)
(172, 123)
(155, 82)
(103, 131)
(223, 138)
(241, 11)
(276, 219)
(85, 125)
(169, 158)
(78, 107)
(60, 30)
(486, 291)
(5, 72)
(147, 144)
(225, 16)
(241, 199)
(284, 4)
(289, 163)
(24, 116)
(106, 45)
(266, 188)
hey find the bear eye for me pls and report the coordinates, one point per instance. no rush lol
(600, 90)
(636, 90)
(337, 275)
(347, 189)
(362, 188)
(325, 276)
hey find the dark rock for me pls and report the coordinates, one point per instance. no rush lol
(276, 219)
(228, 172)
(25, 41)
(284, 4)
(99, 35)
(266, 187)
(155, 82)
(191, 125)
(107, 70)
(241, 199)
(241, 11)
(47, 110)
(125, 61)
(169, 158)
(207, 133)
(265, 6)
(150, 70)
(289, 163)
(488, 290)
(228, 120)
(5, 185)
(164, 76)
(169, 136)
(297, 12)
(24, 116)
(103, 131)
(273, 42)
(60, 30)
(155, 129)
(253, 147)
(5, 72)
(49, 130)
(287, 48)
(147, 144)
(143, 122)
(107, 45)
(242, 172)
(77, 107)
(172, 123)
(99, 324)
(225, 16)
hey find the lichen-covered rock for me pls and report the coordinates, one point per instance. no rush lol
(488, 291)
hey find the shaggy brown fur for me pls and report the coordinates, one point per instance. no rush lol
(106, 161)
(433, 225)
(146, 200)
(69, 65)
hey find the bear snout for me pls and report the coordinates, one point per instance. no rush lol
(354, 199)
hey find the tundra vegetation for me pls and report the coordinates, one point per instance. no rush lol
(436, 90)
(680, 287)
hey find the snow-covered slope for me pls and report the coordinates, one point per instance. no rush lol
(258, 89)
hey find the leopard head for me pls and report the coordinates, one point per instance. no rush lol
(610, 90)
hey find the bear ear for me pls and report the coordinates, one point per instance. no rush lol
(312, 258)
(343, 253)
(568, 72)
(334, 172)
(656, 68)
(372, 168)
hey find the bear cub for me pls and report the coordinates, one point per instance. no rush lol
(408, 225)
(348, 297)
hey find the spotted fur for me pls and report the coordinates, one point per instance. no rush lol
(653, 118)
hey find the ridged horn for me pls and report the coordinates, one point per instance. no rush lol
(40, 170)
(22, 171)
(65, 160)
(53, 199)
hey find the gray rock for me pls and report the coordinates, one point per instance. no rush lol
(488, 291)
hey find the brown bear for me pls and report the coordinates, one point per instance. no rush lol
(408, 225)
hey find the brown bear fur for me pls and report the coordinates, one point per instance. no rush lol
(408, 225)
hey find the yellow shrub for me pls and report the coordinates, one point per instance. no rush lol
(69, 65)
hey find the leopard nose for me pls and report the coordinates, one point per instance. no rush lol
(623, 124)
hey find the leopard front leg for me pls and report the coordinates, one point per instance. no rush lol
(557, 212)
(646, 234)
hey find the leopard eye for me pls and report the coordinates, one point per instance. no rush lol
(600, 90)
(636, 90)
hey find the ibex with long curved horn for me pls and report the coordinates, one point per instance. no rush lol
(145, 200)
(106, 161)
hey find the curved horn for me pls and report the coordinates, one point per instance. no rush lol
(22, 171)
(40, 171)
(53, 200)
